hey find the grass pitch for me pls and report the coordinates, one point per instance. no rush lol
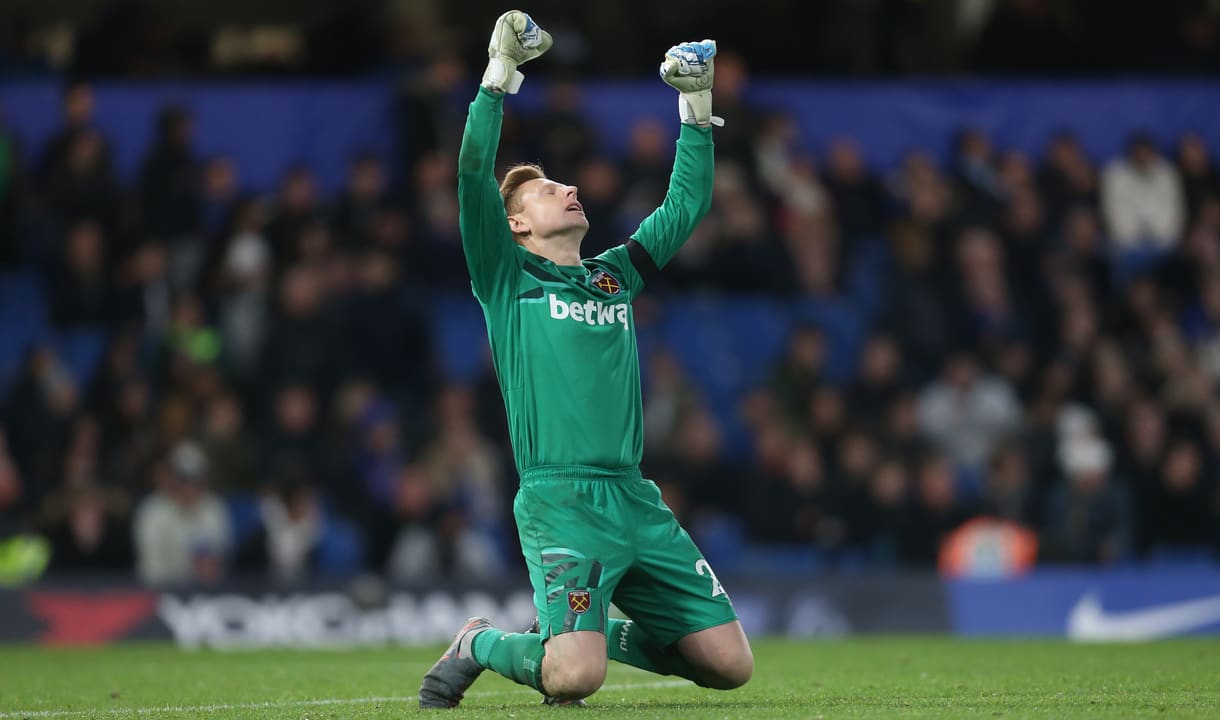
(856, 678)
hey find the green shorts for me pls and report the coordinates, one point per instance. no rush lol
(590, 541)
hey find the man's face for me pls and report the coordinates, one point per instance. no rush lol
(548, 208)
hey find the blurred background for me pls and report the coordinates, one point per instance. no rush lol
(943, 357)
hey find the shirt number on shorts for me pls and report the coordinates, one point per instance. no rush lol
(700, 567)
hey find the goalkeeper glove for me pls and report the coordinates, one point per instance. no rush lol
(688, 69)
(515, 39)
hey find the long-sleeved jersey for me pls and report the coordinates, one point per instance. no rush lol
(563, 337)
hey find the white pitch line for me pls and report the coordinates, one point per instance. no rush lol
(299, 703)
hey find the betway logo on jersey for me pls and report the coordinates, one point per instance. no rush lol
(589, 312)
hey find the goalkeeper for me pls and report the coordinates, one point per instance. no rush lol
(563, 340)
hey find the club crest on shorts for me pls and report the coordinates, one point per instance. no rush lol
(578, 601)
(605, 282)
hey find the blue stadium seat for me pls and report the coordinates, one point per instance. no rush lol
(81, 350)
(244, 516)
(340, 553)
(866, 276)
(1180, 558)
(23, 320)
(460, 335)
(722, 539)
(844, 328)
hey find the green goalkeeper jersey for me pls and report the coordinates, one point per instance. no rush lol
(563, 337)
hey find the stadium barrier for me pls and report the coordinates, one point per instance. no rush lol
(1081, 605)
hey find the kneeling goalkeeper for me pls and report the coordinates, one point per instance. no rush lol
(563, 340)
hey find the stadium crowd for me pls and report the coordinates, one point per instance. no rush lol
(1045, 349)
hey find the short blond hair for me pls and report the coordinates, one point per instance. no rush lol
(517, 176)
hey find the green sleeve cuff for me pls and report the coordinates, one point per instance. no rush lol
(695, 135)
(490, 95)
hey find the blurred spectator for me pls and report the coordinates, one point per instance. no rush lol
(142, 289)
(968, 413)
(1200, 180)
(217, 194)
(296, 207)
(435, 212)
(879, 513)
(303, 342)
(746, 257)
(245, 283)
(289, 532)
(1081, 252)
(376, 459)
(1008, 493)
(647, 166)
(430, 110)
(786, 172)
(225, 444)
(83, 185)
(1026, 241)
(975, 170)
(1066, 178)
(988, 313)
(10, 491)
(290, 443)
(361, 201)
(566, 139)
(1176, 510)
(924, 195)
(1088, 514)
(742, 121)
(601, 193)
(1142, 199)
(182, 530)
(169, 193)
(89, 533)
(81, 291)
(388, 337)
(799, 373)
(789, 493)
(916, 299)
(901, 437)
(670, 400)
(695, 475)
(128, 436)
(856, 458)
(827, 418)
(190, 342)
(857, 196)
(12, 196)
(936, 512)
(37, 416)
(878, 380)
(77, 108)
(456, 492)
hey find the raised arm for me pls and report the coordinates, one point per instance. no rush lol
(491, 255)
(689, 69)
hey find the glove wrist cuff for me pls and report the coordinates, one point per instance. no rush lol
(695, 108)
(502, 76)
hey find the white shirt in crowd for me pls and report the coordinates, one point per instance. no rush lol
(1144, 208)
(171, 536)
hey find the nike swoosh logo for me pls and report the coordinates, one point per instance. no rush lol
(1088, 620)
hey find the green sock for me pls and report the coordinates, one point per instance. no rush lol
(516, 656)
(627, 643)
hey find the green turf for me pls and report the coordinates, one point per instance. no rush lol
(858, 678)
